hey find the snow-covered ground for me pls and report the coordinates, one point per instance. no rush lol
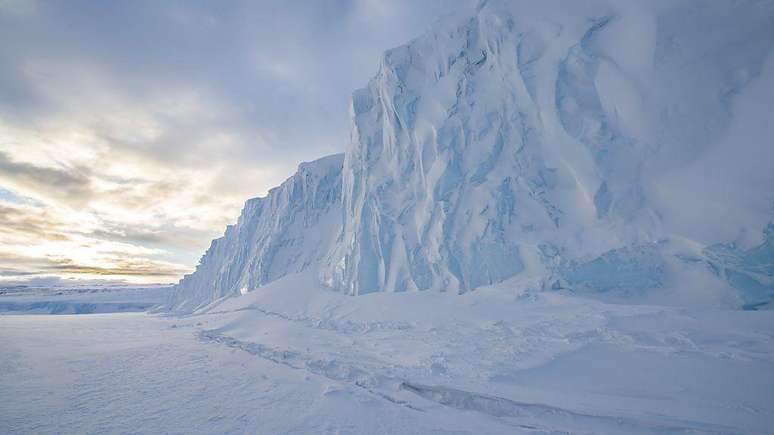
(81, 299)
(294, 358)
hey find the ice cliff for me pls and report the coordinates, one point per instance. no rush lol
(287, 231)
(604, 147)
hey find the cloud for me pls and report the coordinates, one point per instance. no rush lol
(152, 270)
(18, 219)
(113, 265)
(73, 184)
(35, 240)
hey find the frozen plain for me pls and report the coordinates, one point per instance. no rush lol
(491, 361)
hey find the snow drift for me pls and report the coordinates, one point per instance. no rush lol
(612, 148)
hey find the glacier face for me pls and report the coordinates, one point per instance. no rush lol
(524, 128)
(285, 232)
(607, 147)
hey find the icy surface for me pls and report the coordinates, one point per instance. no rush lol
(295, 358)
(81, 299)
(614, 149)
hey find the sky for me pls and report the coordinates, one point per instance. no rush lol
(132, 132)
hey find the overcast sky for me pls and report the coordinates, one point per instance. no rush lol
(132, 132)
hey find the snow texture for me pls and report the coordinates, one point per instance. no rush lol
(81, 299)
(616, 149)
(295, 358)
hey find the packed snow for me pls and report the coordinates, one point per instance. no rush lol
(297, 358)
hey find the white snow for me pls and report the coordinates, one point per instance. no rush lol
(81, 299)
(296, 358)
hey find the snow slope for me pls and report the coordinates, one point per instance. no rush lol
(615, 149)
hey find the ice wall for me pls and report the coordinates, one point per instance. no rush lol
(285, 232)
(605, 147)
(608, 134)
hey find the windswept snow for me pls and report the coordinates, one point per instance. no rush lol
(296, 358)
(81, 299)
